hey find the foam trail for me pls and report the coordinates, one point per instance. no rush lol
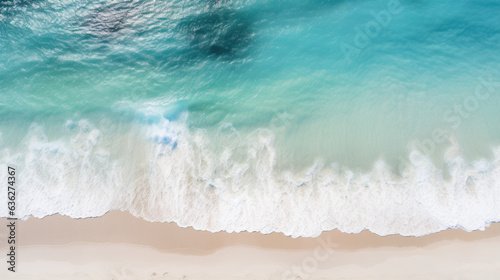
(175, 174)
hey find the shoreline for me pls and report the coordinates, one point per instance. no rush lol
(119, 244)
(111, 223)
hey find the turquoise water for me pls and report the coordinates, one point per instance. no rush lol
(289, 116)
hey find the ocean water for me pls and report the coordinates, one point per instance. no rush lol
(271, 116)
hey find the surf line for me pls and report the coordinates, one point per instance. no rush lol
(11, 206)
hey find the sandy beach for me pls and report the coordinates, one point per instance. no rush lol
(120, 246)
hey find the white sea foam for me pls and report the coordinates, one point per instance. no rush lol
(175, 174)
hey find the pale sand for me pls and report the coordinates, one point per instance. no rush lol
(120, 246)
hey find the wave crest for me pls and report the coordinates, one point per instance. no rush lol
(230, 183)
